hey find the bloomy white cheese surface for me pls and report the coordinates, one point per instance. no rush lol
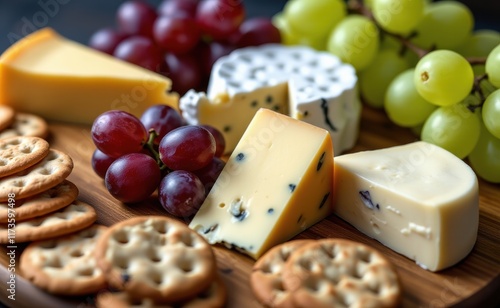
(418, 199)
(306, 84)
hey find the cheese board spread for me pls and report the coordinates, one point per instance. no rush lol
(273, 185)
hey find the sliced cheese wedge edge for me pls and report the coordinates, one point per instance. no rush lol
(59, 79)
(417, 199)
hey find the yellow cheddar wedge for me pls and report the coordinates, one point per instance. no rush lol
(58, 79)
(277, 183)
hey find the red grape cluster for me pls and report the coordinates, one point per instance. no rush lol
(136, 157)
(182, 39)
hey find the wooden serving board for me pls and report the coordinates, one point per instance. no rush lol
(474, 282)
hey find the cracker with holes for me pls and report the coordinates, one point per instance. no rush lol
(26, 124)
(47, 173)
(74, 217)
(65, 265)
(214, 297)
(7, 116)
(46, 202)
(156, 257)
(19, 153)
(266, 280)
(340, 273)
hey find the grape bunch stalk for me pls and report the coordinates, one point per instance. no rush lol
(420, 61)
(157, 152)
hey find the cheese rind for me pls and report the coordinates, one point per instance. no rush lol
(417, 199)
(59, 79)
(277, 183)
(314, 87)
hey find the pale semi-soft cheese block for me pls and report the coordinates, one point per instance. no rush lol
(277, 183)
(417, 199)
(306, 84)
(59, 79)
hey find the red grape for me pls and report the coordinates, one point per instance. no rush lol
(220, 18)
(220, 143)
(178, 8)
(177, 34)
(187, 148)
(133, 178)
(101, 162)
(162, 119)
(106, 40)
(257, 31)
(209, 53)
(209, 174)
(136, 18)
(184, 72)
(181, 193)
(141, 51)
(117, 132)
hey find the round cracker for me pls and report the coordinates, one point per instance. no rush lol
(266, 281)
(7, 116)
(46, 202)
(47, 173)
(214, 297)
(19, 153)
(74, 217)
(26, 124)
(156, 257)
(65, 265)
(340, 273)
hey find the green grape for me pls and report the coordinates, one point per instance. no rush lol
(368, 3)
(314, 18)
(487, 87)
(479, 44)
(484, 159)
(445, 25)
(417, 130)
(403, 105)
(454, 128)
(289, 37)
(355, 40)
(491, 113)
(374, 80)
(398, 16)
(390, 42)
(493, 66)
(443, 77)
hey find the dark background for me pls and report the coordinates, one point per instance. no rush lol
(78, 19)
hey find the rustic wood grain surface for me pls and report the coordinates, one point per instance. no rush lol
(474, 282)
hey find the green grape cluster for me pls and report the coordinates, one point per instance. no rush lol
(419, 61)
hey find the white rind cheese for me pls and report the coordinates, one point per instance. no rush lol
(277, 183)
(308, 85)
(417, 199)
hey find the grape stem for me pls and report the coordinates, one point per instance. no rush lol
(476, 88)
(358, 7)
(149, 145)
(477, 60)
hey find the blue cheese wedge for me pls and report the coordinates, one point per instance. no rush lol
(306, 84)
(277, 183)
(417, 199)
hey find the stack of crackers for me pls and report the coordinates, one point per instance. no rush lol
(329, 272)
(145, 261)
(36, 200)
(14, 123)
